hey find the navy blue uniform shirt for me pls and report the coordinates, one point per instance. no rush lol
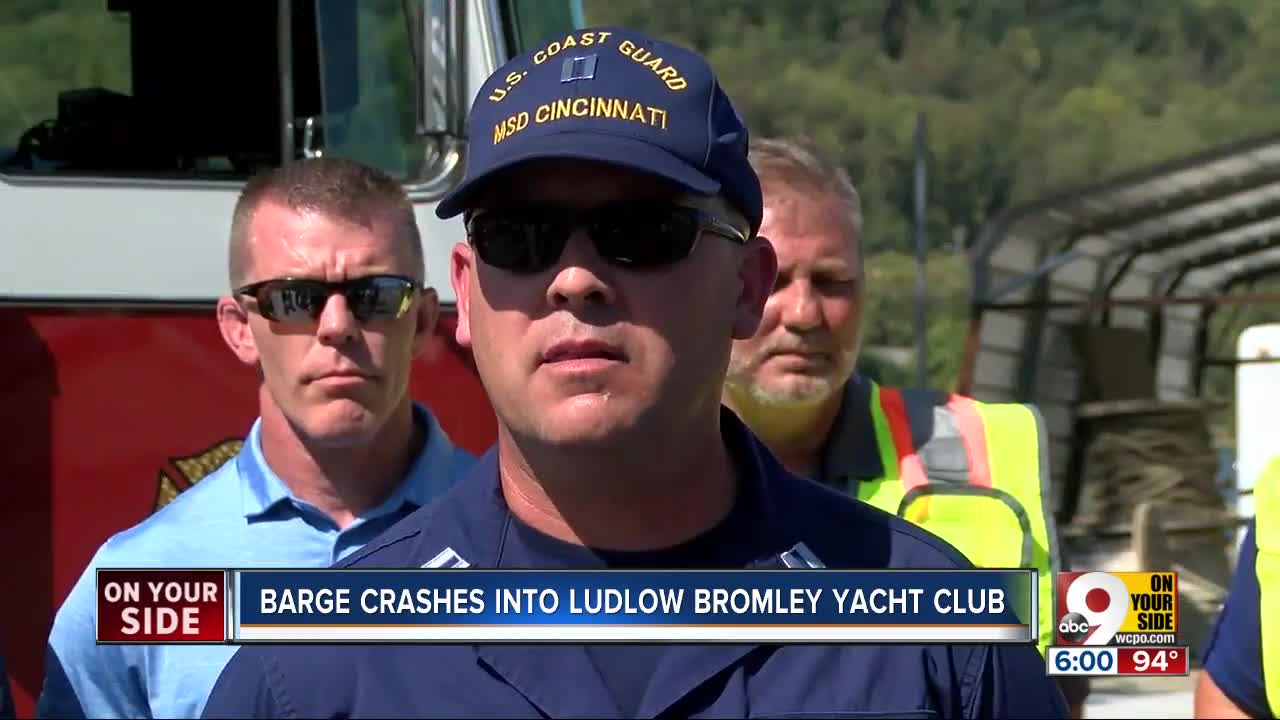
(775, 510)
(1233, 657)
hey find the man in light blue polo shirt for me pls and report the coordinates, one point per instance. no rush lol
(6, 695)
(329, 305)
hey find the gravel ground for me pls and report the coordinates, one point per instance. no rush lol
(1165, 698)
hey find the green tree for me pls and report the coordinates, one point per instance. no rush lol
(1023, 99)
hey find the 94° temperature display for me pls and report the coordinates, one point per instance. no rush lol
(1105, 660)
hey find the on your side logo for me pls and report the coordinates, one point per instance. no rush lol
(1102, 608)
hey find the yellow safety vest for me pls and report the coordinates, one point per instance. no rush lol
(1266, 498)
(973, 473)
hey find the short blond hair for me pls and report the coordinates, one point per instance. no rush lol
(798, 165)
(344, 189)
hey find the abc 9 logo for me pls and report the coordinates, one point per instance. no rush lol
(1097, 604)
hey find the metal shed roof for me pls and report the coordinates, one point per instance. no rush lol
(1152, 250)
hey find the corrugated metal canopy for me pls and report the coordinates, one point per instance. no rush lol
(1193, 227)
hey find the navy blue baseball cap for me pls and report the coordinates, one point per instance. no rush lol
(615, 96)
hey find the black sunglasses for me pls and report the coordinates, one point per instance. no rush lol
(640, 237)
(375, 297)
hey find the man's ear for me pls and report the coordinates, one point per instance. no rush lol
(461, 261)
(233, 322)
(425, 319)
(756, 275)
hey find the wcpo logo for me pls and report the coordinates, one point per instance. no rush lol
(1126, 608)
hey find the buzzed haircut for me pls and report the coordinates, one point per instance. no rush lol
(797, 165)
(339, 188)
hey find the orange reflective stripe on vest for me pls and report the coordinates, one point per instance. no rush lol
(974, 437)
(909, 468)
(971, 433)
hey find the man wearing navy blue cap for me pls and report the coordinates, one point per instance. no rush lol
(612, 257)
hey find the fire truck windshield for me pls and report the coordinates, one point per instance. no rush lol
(377, 122)
(368, 90)
(206, 90)
(528, 22)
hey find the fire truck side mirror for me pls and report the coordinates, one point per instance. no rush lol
(440, 58)
(441, 63)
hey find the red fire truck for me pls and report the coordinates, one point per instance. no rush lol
(118, 174)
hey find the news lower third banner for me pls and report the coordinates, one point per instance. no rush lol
(567, 606)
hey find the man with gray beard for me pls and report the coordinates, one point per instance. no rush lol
(973, 473)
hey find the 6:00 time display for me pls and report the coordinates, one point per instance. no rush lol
(1105, 660)
(1081, 660)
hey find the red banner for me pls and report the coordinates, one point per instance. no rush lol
(162, 606)
(1152, 661)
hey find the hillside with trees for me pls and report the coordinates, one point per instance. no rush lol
(1023, 98)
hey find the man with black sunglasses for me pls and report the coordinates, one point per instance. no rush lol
(330, 308)
(613, 256)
